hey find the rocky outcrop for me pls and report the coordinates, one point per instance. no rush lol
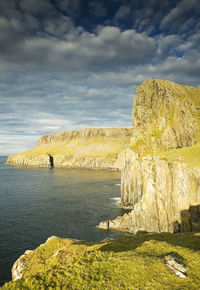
(176, 265)
(20, 265)
(165, 115)
(162, 188)
(86, 148)
(29, 160)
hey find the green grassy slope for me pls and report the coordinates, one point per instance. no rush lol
(104, 144)
(132, 262)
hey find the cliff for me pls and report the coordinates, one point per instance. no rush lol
(160, 181)
(133, 262)
(161, 176)
(86, 148)
(165, 116)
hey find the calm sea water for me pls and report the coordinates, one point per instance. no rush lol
(38, 203)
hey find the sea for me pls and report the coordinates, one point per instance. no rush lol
(38, 203)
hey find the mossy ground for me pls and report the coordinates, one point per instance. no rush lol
(132, 262)
(189, 155)
(93, 148)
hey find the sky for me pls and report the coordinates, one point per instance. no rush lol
(72, 64)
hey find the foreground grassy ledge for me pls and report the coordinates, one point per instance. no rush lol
(132, 262)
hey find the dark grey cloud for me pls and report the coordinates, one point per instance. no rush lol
(41, 8)
(183, 16)
(71, 8)
(66, 47)
(97, 8)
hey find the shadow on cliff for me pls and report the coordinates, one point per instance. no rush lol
(190, 219)
(185, 236)
(186, 240)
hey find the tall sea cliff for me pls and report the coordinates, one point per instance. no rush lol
(161, 176)
(159, 158)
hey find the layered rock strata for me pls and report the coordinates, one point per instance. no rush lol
(160, 184)
(86, 148)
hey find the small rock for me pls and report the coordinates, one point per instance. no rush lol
(104, 225)
(174, 263)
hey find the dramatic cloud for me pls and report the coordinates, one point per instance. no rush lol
(183, 16)
(74, 64)
(78, 49)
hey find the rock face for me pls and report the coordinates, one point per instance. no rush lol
(20, 265)
(163, 191)
(165, 196)
(165, 115)
(86, 148)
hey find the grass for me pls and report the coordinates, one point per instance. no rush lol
(132, 262)
(93, 148)
(189, 155)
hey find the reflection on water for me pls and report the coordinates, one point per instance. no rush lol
(38, 203)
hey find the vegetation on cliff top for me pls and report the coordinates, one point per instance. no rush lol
(132, 262)
(94, 143)
(189, 155)
(89, 148)
(166, 121)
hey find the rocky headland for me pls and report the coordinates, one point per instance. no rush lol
(86, 148)
(159, 158)
(161, 176)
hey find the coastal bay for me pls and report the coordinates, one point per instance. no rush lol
(38, 203)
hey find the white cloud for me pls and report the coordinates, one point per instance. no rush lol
(13, 144)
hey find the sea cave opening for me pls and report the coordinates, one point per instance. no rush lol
(51, 161)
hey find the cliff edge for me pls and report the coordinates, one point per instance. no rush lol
(86, 148)
(161, 176)
(132, 262)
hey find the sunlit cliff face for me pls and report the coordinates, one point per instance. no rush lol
(161, 176)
